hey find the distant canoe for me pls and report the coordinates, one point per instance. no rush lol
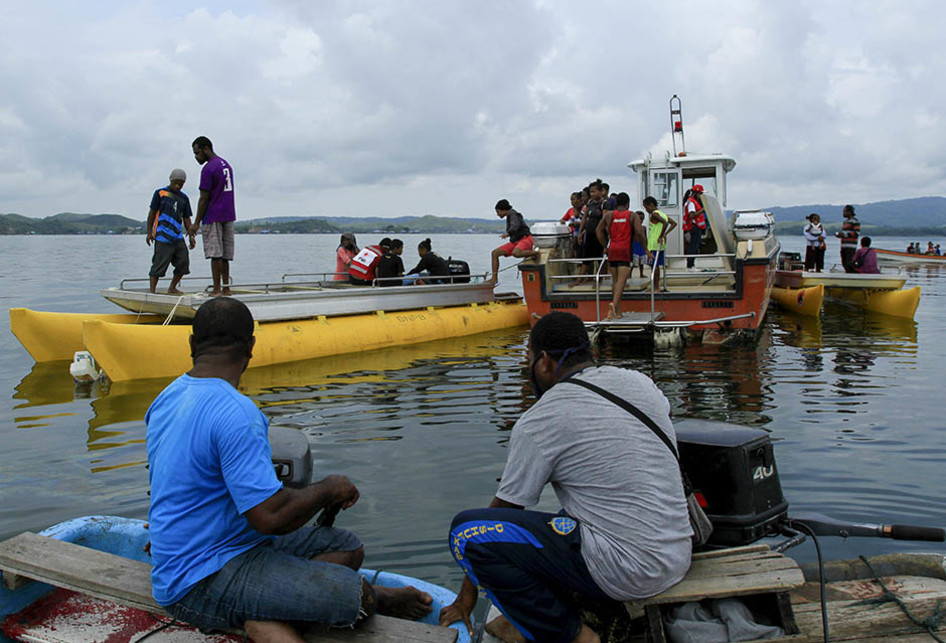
(802, 301)
(894, 256)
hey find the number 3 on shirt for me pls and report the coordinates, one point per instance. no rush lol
(228, 184)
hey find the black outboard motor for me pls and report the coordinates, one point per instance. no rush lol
(734, 468)
(292, 456)
(459, 271)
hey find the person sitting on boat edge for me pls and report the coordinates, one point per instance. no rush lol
(694, 223)
(344, 253)
(865, 259)
(815, 244)
(361, 271)
(660, 227)
(848, 234)
(430, 266)
(520, 237)
(623, 532)
(169, 217)
(390, 266)
(616, 231)
(229, 543)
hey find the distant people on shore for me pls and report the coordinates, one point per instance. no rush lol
(429, 268)
(346, 251)
(216, 213)
(848, 234)
(168, 219)
(520, 238)
(815, 244)
(865, 259)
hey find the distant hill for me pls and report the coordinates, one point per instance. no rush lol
(70, 223)
(924, 216)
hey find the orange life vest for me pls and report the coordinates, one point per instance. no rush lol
(363, 264)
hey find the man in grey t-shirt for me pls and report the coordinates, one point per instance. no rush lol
(623, 532)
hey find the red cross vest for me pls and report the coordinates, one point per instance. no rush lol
(363, 264)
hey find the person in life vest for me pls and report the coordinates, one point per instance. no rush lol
(694, 223)
(363, 265)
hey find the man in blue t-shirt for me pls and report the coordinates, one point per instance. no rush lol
(168, 219)
(229, 543)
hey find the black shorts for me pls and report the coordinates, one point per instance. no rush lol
(619, 264)
(166, 254)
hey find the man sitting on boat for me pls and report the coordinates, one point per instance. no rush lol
(361, 270)
(865, 259)
(228, 541)
(518, 233)
(623, 532)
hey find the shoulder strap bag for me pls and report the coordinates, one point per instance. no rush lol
(702, 527)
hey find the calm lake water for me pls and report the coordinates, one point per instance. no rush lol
(853, 402)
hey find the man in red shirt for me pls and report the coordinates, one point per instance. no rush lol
(622, 227)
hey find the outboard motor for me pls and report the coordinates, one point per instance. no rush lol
(459, 271)
(552, 234)
(734, 469)
(292, 456)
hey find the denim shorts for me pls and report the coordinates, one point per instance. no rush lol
(276, 581)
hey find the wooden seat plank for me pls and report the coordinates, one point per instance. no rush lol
(128, 582)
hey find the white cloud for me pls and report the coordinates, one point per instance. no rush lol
(376, 107)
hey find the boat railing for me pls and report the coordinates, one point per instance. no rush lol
(451, 279)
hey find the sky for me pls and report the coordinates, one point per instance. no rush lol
(384, 108)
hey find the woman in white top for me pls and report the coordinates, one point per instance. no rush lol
(815, 238)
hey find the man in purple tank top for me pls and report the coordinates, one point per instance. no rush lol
(216, 213)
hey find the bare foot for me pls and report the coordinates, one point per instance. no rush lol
(501, 628)
(403, 602)
(226, 292)
(612, 313)
(175, 292)
(586, 635)
(214, 293)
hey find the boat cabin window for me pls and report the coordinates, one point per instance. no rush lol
(665, 187)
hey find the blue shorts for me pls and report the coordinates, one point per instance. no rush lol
(277, 581)
(530, 566)
(658, 256)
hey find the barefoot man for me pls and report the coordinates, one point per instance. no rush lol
(623, 532)
(168, 219)
(616, 232)
(216, 213)
(518, 233)
(228, 541)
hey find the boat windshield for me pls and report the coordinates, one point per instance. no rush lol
(665, 187)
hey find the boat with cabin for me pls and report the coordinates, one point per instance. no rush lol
(298, 318)
(727, 290)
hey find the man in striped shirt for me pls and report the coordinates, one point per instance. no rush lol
(169, 214)
(848, 234)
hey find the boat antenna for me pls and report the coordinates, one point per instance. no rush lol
(676, 125)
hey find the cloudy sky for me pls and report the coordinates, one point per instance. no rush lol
(384, 108)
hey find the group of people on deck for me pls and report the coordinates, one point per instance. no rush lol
(861, 259)
(232, 548)
(916, 249)
(381, 264)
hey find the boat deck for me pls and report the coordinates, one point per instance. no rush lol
(301, 300)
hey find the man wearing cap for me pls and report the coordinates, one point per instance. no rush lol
(229, 543)
(623, 532)
(694, 223)
(216, 213)
(168, 219)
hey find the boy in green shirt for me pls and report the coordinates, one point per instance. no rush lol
(660, 227)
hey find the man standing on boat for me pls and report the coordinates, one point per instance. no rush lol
(848, 234)
(168, 219)
(216, 213)
(623, 533)
(229, 543)
(660, 227)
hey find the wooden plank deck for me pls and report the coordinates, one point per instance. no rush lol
(128, 582)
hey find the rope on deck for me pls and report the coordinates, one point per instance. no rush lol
(930, 623)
